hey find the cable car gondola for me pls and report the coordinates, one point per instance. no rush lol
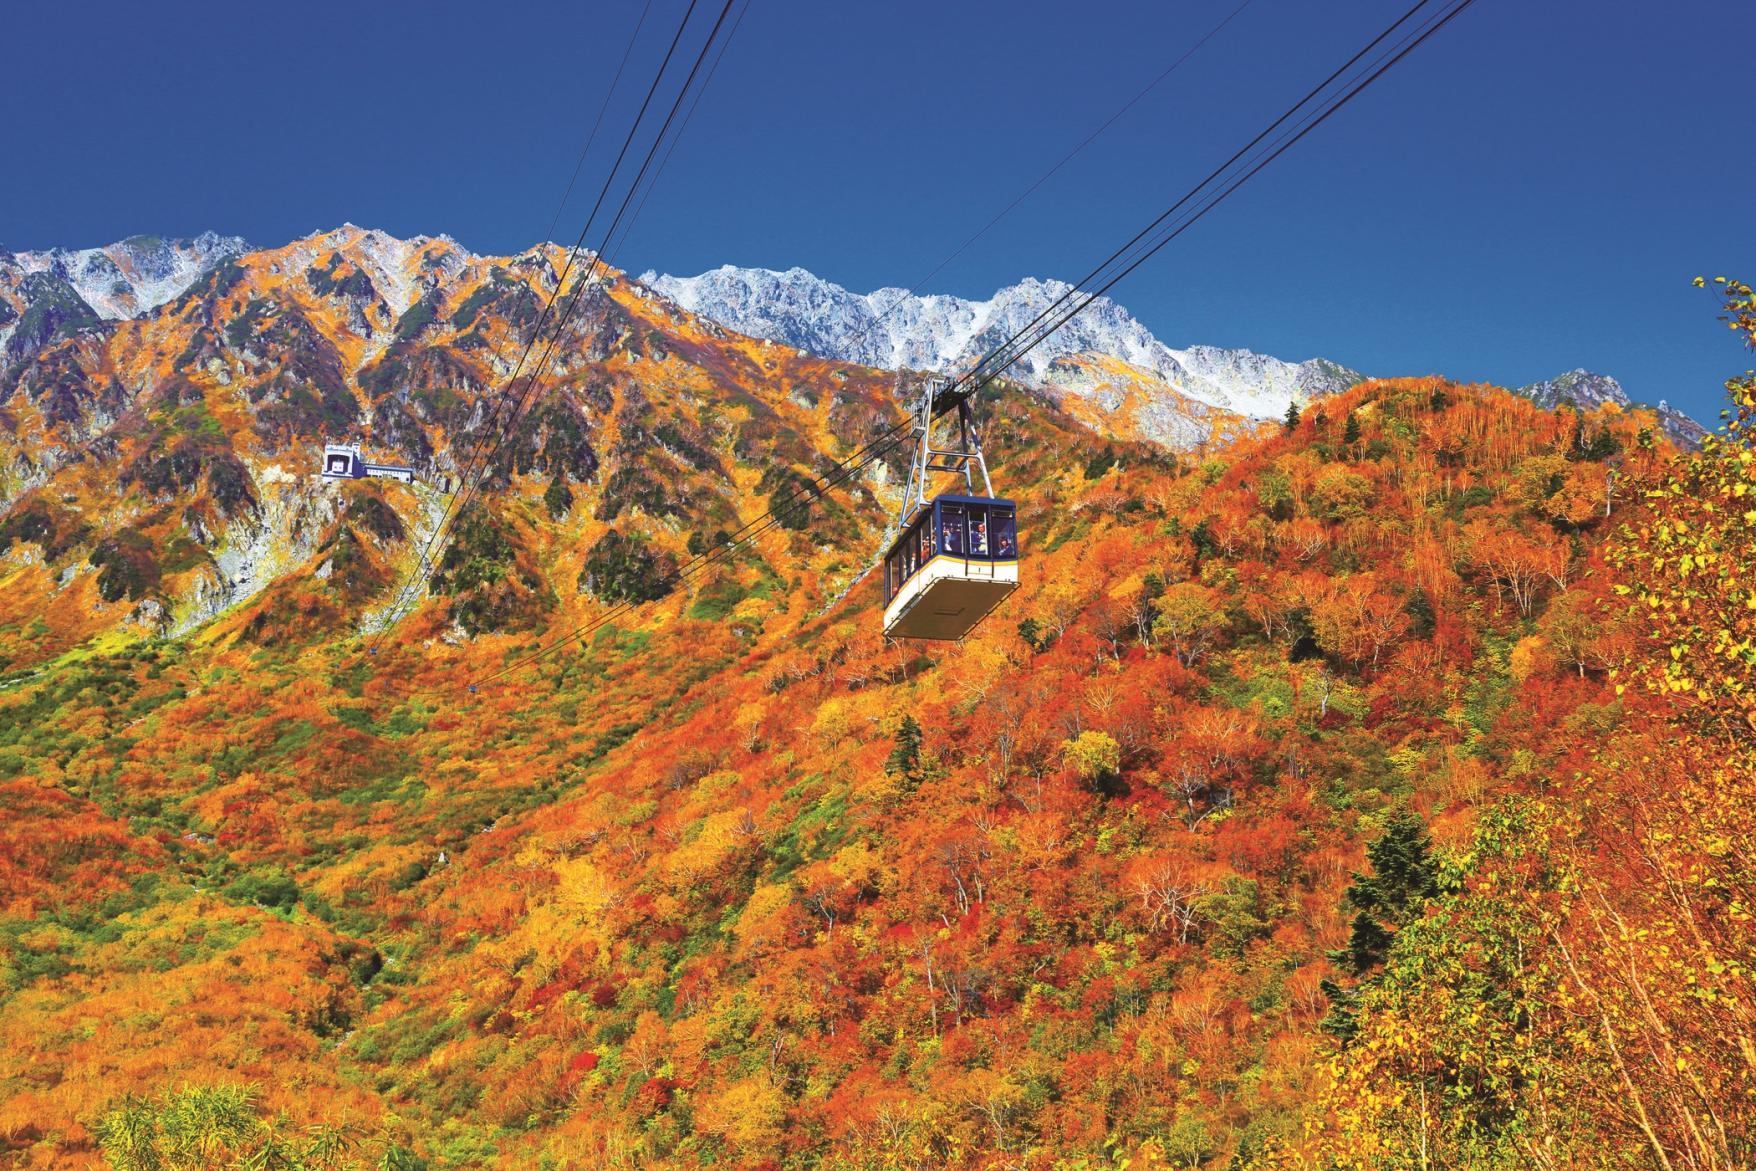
(956, 555)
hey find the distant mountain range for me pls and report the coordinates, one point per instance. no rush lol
(895, 329)
(1198, 386)
(1104, 365)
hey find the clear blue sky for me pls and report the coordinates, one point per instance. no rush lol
(1531, 192)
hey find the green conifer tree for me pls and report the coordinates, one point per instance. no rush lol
(1403, 876)
(905, 758)
(1403, 873)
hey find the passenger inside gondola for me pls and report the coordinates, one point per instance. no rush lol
(978, 537)
(1005, 534)
(951, 530)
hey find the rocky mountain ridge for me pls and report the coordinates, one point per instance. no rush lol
(1588, 391)
(133, 276)
(895, 329)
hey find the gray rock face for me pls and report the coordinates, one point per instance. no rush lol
(1588, 391)
(133, 276)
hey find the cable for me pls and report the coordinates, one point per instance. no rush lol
(1311, 123)
(500, 347)
(469, 485)
(974, 374)
(471, 465)
(598, 123)
(978, 378)
(616, 249)
(1067, 158)
(424, 562)
(585, 282)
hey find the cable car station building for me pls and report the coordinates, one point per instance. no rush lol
(342, 461)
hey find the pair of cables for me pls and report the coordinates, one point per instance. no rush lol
(1407, 33)
(470, 477)
(557, 313)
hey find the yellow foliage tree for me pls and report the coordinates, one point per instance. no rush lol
(1191, 618)
(1693, 562)
(748, 1115)
(1094, 757)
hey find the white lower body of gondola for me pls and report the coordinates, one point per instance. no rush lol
(947, 597)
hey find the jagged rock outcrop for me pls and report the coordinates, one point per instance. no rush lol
(1588, 391)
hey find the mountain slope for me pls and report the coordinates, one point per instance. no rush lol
(893, 329)
(693, 892)
(160, 469)
(732, 880)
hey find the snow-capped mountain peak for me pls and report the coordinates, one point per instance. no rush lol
(895, 329)
(1582, 388)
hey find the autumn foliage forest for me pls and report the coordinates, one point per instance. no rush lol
(1371, 791)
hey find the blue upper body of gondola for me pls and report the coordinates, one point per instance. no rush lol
(964, 528)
